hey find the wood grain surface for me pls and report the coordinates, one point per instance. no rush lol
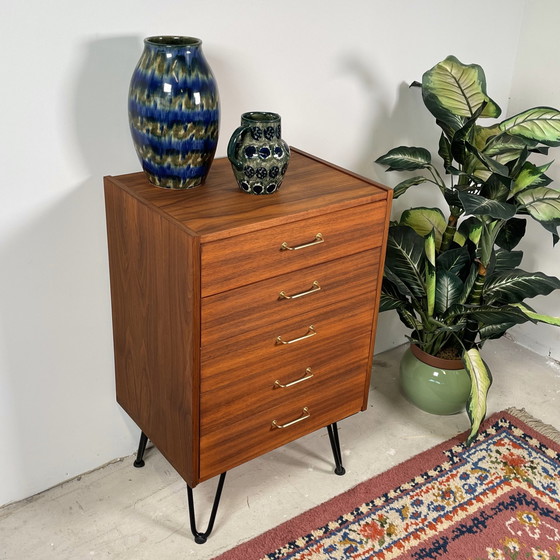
(195, 279)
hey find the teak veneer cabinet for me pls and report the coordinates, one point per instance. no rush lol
(243, 322)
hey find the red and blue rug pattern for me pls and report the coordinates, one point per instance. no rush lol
(497, 499)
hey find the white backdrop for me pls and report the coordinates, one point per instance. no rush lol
(336, 72)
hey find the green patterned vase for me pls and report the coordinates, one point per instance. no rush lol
(174, 113)
(258, 155)
(434, 385)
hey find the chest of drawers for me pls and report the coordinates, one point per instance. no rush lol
(243, 322)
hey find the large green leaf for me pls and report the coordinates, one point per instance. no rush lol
(490, 315)
(405, 258)
(391, 298)
(489, 332)
(542, 203)
(460, 143)
(452, 89)
(403, 186)
(485, 314)
(471, 228)
(485, 134)
(405, 158)
(516, 285)
(531, 176)
(423, 220)
(506, 260)
(504, 147)
(448, 291)
(540, 123)
(511, 233)
(496, 187)
(392, 301)
(481, 379)
(399, 285)
(477, 205)
(550, 320)
(490, 164)
(455, 261)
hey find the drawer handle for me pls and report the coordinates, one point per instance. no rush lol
(310, 332)
(314, 288)
(318, 239)
(305, 414)
(308, 375)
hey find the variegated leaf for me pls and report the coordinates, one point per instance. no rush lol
(423, 220)
(405, 158)
(540, 123)
(452, 89)
(549, 319)
(481, 380)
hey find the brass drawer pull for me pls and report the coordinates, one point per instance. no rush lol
(318, 239)
(314, 288)
(308, 375)
(305, 414)
(310, 332)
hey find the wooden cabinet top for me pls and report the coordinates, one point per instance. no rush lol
(219, 209)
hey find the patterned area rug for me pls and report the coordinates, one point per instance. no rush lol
(497, 499)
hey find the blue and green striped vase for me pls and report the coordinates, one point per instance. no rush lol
(174, 112)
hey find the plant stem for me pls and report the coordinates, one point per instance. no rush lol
(437, 178)
(475, 299)
(449, 233)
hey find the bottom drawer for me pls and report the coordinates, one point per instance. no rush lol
(233, 444)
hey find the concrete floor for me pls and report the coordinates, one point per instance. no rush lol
(120, 512)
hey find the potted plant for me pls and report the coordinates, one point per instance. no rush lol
(453, 274)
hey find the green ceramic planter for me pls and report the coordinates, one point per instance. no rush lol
(434, 385)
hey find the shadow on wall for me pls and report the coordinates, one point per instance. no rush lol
(61, 417)
(406, 122)
(100, 111)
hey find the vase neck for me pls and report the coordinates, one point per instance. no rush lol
(172, 44)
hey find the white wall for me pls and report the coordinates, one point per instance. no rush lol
(536, 81)
(335, 71)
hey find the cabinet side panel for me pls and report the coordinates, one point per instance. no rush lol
(379, 282)
(155, 289)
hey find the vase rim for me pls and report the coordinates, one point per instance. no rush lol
(173, 41)
(261, 116)
(434, 361)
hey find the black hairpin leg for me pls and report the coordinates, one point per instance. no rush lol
(141, 448)
(200, 538)
(335, 444)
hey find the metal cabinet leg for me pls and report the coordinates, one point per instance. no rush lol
(200, 538)
(335, 444)
(141, 449)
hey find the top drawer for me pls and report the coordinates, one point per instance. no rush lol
(244, 259)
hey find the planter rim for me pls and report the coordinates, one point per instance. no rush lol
(434, 361)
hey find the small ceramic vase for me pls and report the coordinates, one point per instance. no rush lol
(174, 112)
(258, 155)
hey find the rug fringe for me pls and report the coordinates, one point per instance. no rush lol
(546, 429)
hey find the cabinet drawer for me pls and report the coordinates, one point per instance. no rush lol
(233, 443)
(244, 259)
(274, 383)
(250, 308)
(239, 356)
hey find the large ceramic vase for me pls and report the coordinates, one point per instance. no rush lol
(174, 114)
(258, 155)
(433, 384)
